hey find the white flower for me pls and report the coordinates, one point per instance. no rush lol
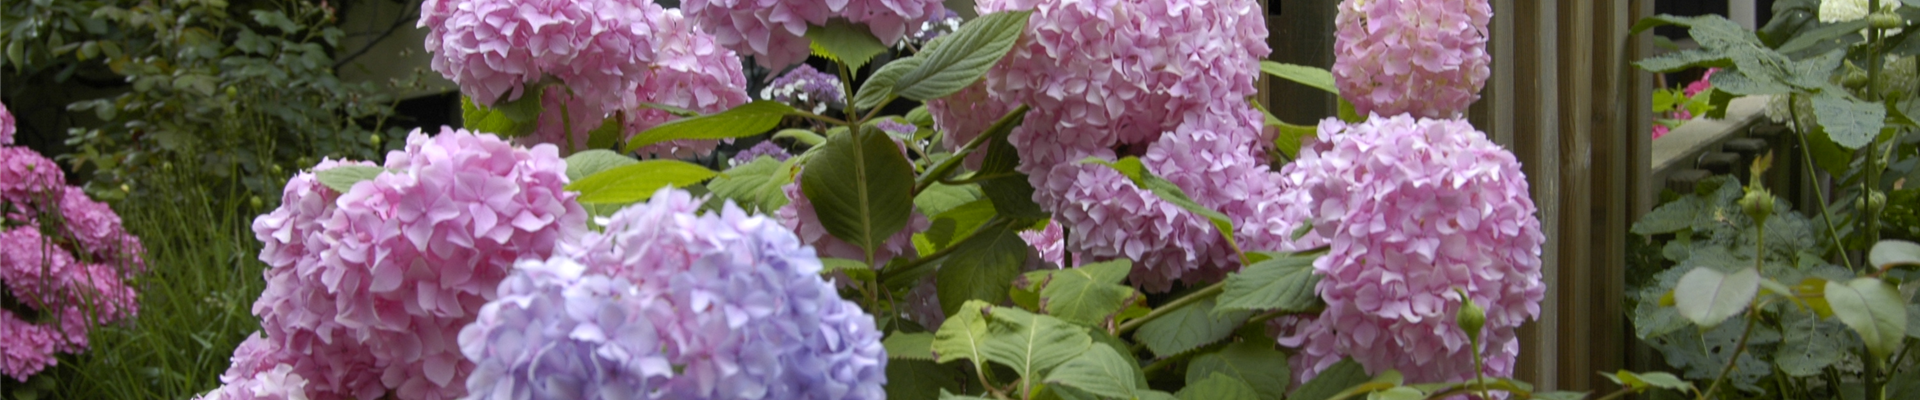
(1833, 11)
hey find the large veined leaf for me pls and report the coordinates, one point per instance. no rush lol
(1284, 283)
(1873, 309)
(1088, 295)
(605, 136)
(586, 163)
(506, 118)
(1188, 328)
(1891, 253)
(1332, 381)
(341, 178)
(963, 56)
(637, 181)
(1099, 371)
(1850, 123)
(1317, 78)
(963, 335)
(1257, 364)
(982, 268)
(1649, 380)
(940, 197)
(743, 121)
(861, 188)
(1810, 345)
(1706, 296)
(757, 186)
(1218, 387)
(922, 379)
(911, 346)
(881, 84)
(1011, 192)
(1033, 344)
(849, 43)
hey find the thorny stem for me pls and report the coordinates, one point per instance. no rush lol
(1814, 174)
(1734, 360)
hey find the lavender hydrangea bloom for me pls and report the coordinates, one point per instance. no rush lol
(764, 149)
(1414, 209)
(808, 89)
(896, 127)
(672, 304)
(1424, 57)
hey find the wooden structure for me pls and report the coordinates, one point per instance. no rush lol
(1565, 98)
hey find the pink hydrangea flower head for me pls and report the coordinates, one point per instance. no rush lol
(27, 348)
(494, 48)
(98, 231)
(1413, 209)
(1424, 57)
(674, 304)
(368, 289)
(1124, 71)
(26, 176)
(690, 71)
(962, 116)
(7, 127)
(774, 31)
(554, 122)
(1111, 218)
(892, 20)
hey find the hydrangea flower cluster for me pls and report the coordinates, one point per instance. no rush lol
(1112, 78)
(671, 304)
(368, 289)
(764, 149)
(1424, 57)
(689, 71)
(1414, 209)
(946, 22)
(64, 257)
(962, 116)
(774, 31)
(808, 89)
(494, 49)
(7, 127)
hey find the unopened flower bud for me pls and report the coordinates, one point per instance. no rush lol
(1758, 204)
(1875, 201)
(258, 203)
(1885, 20)
(1854, 78)
(1470, 317)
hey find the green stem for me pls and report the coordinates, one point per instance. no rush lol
(1814, 174)
(1195, 297)
(1623, 392)
(1732, 361)
(1876, 389)
(977, 179)
(1479, 374)
(946, 167)
(822, 118)
(566, 123)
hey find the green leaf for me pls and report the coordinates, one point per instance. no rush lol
(881, 85)
(1292, 136)
(1332, 381)
(963, 335)
(1012, 192)
(955, 222)
(586, 163)
(853, 268)
(921, 379)
(1033, 344)
(757, 185)
(849, 43)
(1904, 385)
(1349, 114)
(1188, 328)
(1283, 283)
(909, 346)
(1810, 345)
(1100, 371)
(982, 267)
(944, 395)
(277, 20)
(1088, 295)
(637, 181)
(1218, 387)
(1671, 217)
(1651, 379)
(1255, 363)
(508, 118)
(743, 121)
(802, 136)
(1138, 173)
(1806, 39)
(963, 56)
(861, 188)
(1318, 78)
(341, 178)
(1682, 60)
(1890, 253)
(1707, 296)
(941, 197)
(1561, 395)
(1850, 123)
(1872, 308)
(607, 135)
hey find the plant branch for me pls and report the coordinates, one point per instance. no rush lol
(1814, 174)
(1195, 297)
(1623, 392)
(946, 167)
(822, 118)
(397, 23)
(1734, 360)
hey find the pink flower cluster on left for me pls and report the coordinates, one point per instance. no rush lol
(63, 256)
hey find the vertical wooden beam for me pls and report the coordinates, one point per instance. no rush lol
(1576, 294)
(1523, 114)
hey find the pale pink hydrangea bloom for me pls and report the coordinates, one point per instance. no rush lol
(963, 116)
(1424, 57)
(774, 31)
(494, 48)
(7, 128)
(1414, 209)
(690, 71)
(368, 289)
(26, 176)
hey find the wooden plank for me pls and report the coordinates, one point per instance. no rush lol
(1576, 292)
